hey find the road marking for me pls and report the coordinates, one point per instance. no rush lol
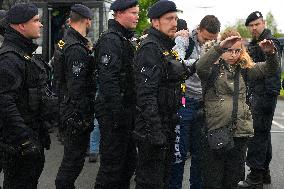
(278, 117)
(277, 131)
(278, 124)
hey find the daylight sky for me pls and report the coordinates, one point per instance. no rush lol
(228, 11)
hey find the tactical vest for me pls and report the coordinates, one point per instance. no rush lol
(35, 92)
(66, 105)
(174, 72)
(126, 75)
(59, 66)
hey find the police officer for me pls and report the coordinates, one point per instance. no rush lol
(3, 26)
(158, 75)
(3, 23)
(264, 99)
(115, 107)
(76, 110)
(22, 99)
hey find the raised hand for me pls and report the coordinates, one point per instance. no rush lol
(229, 41)
(182, 33)
(267, 46)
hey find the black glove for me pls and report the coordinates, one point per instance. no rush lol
(29, 148)
(76, 125)
(44, 136)
(117, 117)
(46, 141)
(158, 139)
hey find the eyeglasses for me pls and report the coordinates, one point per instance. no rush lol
(236, 51)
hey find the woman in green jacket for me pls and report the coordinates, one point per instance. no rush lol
(224, 70)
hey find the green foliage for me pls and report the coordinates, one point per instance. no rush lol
(271, 23)
(241, 28)
(143, 19)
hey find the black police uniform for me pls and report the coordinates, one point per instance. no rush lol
(158, 76)
(76, 110)
(263, 103)
(115, 107)
(22, 99)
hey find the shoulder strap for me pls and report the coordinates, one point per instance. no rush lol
(110, 31)
(236, 96)
(148, 41)
(7, 49)
(189, 49)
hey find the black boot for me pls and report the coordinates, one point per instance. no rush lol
(266, 177)
(254, 180)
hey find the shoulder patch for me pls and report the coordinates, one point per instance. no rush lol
(77, 67)
(61, 44)
(105, 59)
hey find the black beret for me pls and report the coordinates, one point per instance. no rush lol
(160, 8)
(21, 13)
(253, 16)
(120, 5)
(2, 13)
(181, 24)
(82, 10)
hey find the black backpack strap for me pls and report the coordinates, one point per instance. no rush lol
(189, 49)
(236, 97)
(148, 41)
(110, 31)
(7, 49)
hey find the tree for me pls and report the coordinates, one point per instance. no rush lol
(1, 4)
(241, 28)
(143, 19)
(272, 25)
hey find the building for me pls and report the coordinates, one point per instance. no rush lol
(54, 13)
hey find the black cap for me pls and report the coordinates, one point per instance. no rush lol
(181, 24)
(160, 8)
(21, 13)
(2, 13)
(120, 5)
(253, 16)
(82, 10)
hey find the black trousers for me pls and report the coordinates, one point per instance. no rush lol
(117, 156)
(22, 172)
(223, 170)
(154, 164)
(259, 153)
(75, 148)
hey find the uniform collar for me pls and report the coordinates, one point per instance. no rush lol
(19, 42)
(75, 35)
(264, 35)
(116, 26)
(163, 39)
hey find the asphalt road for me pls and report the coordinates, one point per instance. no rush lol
(86, 179)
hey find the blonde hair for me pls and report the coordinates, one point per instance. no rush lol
(245, 60)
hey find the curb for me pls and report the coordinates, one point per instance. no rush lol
(280, 98)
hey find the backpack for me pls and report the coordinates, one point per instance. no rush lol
(189, 49)
(58, 67)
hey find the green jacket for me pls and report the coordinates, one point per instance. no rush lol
(218, 99)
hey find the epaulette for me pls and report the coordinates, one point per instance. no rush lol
(61, 44)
